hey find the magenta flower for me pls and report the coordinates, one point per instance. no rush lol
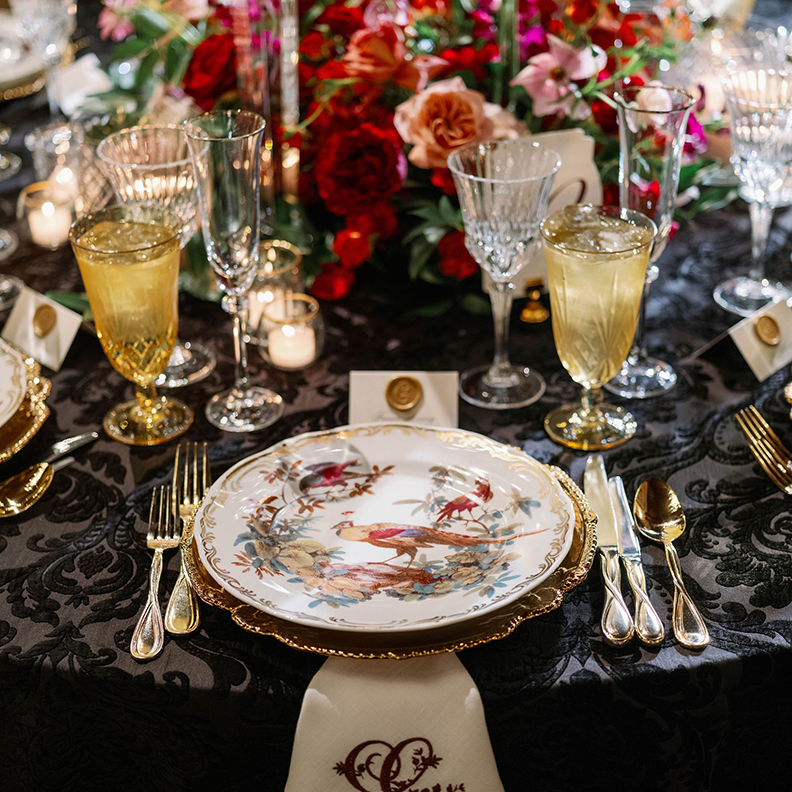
(548, 78)
(112, 24)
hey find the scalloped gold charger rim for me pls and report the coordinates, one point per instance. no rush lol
(17, 432)
(449, 638)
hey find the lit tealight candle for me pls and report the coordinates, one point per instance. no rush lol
(292, 347)
(49, 225)
(259, 300)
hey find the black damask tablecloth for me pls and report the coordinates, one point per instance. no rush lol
(565, 711)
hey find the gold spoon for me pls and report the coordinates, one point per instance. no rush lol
(659, 516)
(20, 492)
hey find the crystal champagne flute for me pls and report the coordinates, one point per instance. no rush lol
(226, 152)
(150, 165)
(129, 262)
(652, 124)
(503, 188)
(759, 105)
(596, 266)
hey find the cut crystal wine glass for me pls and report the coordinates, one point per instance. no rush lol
(226, 153)
(759, 105)
(503, 188)
(150, 165)
(652, 124)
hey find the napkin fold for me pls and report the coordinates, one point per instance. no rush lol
(393, 726)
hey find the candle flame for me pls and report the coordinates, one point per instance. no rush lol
(48, 209)
(288, 330)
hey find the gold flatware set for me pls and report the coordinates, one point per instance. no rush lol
(770, 452)
(171, 506)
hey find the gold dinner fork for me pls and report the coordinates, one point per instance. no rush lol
(189, 487)
(770, 452)
(163, 534)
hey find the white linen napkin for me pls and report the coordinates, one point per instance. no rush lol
(393, 726)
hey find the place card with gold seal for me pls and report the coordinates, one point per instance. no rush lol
(764, 339)
(41, 328)
(423, 397)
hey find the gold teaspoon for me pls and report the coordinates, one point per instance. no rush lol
(659, 516)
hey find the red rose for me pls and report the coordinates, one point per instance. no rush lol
(580, 11)
(605, 116)
(352, 248)
(212, 70)
(332, 283)
(442, 178)
(379, 219)
(355, 168)
(468, 58)
(610, 194)
(454, 256)
(314, 46)
(342, 19)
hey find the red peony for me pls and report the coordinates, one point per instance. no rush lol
(379, 219)
(581, 11)
(352, 248)
(343, 20)
(455, 259)
(212, 70)
(470, 59)
(333, 282)
(358, 167)
(314, 46)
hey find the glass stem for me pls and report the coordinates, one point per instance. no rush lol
(501, 296)
(590, 398)
(52, 91)
(638, 351)
(146, 396)
(240, 308)
(761, 219)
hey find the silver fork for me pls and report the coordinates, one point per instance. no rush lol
(163, 534)
(770, 452)
(189, 487)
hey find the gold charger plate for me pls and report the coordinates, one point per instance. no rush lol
(450, 638)
(18, 430)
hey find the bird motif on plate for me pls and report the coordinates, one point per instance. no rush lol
(466, 503)
(326, 475)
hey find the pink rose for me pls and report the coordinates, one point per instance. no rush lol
(447, 116)
(191, 10)
(113, 22)
(380, 56)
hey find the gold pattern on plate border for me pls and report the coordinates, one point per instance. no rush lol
(419, 643)
(18, 430)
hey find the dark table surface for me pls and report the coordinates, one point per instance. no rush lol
(218, 708)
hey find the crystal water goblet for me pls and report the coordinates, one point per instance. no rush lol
(759, 106)
(9, 163)
(503, 188)
(129, 261)
(652, 124)
(596, 267)
(226, 153)
(150, 165)
(46, 27)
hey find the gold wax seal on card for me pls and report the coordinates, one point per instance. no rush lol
(767, 329)
(403, 393)
(44, 320)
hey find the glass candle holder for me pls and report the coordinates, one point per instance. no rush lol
(291, 332)
(49, 211)
(279, 273)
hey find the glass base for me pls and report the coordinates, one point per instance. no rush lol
(743, 296)
(126, 424)
(188, 363)
(246, 410)
(9, 242)
(9, 165)
(9, 291)
(642, 378)
(604, 427)
(516, 387)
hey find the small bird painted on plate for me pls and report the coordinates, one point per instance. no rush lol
(325, 474)
(466, 503)
(407, 539)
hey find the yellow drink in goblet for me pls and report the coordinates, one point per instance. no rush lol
(129, 262)
(596, 266)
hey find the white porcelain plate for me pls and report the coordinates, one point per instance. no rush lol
(17, 64)
(384, 527)
(13, 383)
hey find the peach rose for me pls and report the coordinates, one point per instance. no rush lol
(380, 55)
(191, 10)
(447, 116)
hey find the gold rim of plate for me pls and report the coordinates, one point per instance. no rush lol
(419, 643)
(18, 430)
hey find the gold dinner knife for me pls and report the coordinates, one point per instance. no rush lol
(648, 626)
(617, 625)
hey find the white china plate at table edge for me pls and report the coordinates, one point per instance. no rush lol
(26, 67)
(13, 381)
(372, 551)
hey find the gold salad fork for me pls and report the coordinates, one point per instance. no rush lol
(768, 449)
(189, 487)
(163, 534)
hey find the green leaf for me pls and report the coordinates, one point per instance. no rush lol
(420, 253)
(176, 59)
(433, 309)
(146, 69)
(476, 304)
(130, 48)
(151, 24)
(452, 216)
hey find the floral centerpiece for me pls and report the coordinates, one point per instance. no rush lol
(389, 88)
